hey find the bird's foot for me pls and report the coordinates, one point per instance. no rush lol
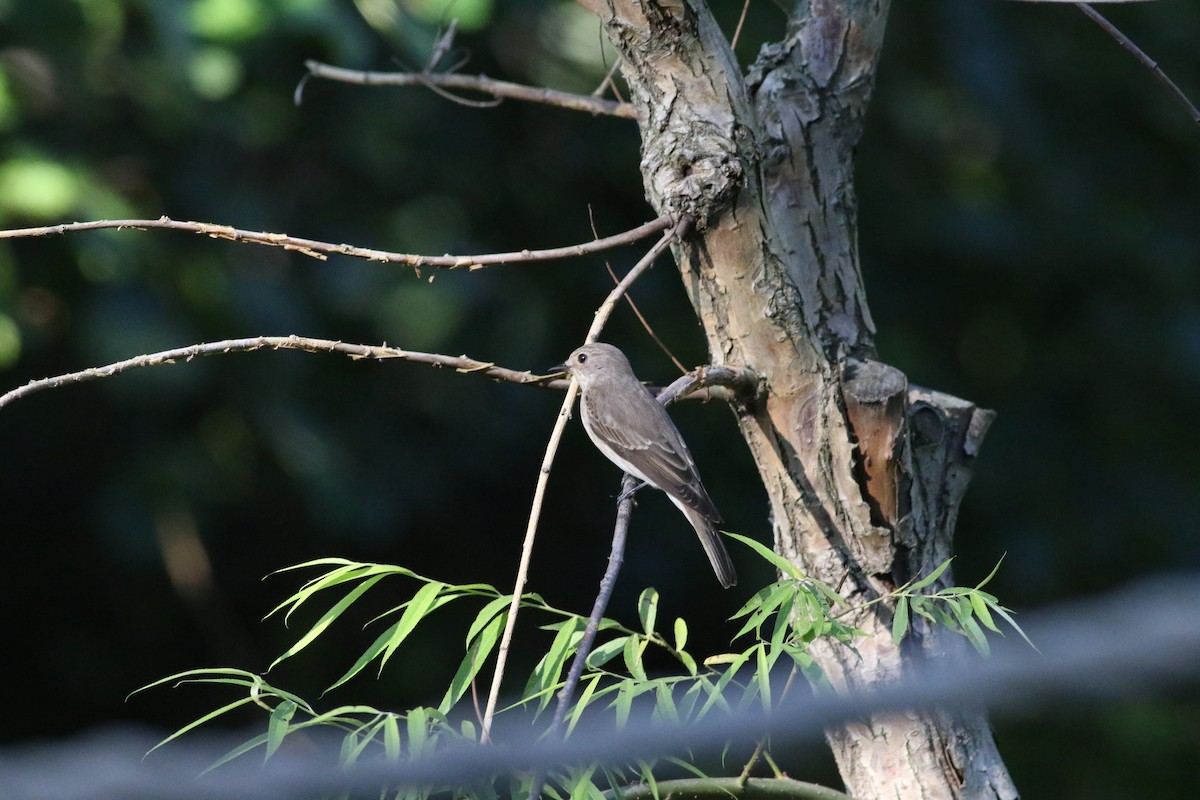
(632, 491)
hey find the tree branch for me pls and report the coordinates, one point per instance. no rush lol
(355, 351)
(501, 90)
(1141, 56)
(321, 250)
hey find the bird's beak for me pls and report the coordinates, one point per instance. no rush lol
(557, 369)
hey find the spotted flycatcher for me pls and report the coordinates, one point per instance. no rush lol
(633, 430)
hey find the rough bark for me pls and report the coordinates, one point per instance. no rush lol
(864, 473)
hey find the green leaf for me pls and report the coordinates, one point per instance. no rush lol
(418, 734)
(391, 737)
(681, 633)
(420, 605)
(326, 620)
(981, 611)
(1007, 617)
(783, 621)
(487, 614)
(606, 652)
(623, 703)
(779, 562)
(210, 716)
(476, 656)
(900, 620)
(931, 577)
(546, 673)
(237, 752)
(976, 636)
(664, 705)
(277, 726)
(991, 574)
(585, 697)
(648, 608)
(633, 658)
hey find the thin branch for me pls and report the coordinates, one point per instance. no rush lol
(560, 424)
(632, 305)
(478, 83)
(1141, 56)
(461, 364)
(734, 379)
(737, 32)
(616, 557)
(320, 250)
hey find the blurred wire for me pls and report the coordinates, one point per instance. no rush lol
(1145, 637)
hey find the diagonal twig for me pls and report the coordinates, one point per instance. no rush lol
(1141, 56)
(320, 250)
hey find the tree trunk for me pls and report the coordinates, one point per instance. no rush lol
(864, 473)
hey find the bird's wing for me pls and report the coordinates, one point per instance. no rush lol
(642, 433)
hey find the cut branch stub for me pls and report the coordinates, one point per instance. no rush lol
(876, 408)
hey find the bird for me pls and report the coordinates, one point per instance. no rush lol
(632, 429)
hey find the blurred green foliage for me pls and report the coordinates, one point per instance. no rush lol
(1028, 228)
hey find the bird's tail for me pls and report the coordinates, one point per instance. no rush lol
(714, 548)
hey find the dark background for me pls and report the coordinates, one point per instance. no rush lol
(1030, 239)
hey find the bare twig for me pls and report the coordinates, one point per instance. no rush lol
(738, 380)
(560, 424)
(356, 351)
(317, 249)
(616, 557)
(632, 305)
(737, 32)
(479, 83)
(1141, 56)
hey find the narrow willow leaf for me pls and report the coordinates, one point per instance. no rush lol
(931, 577)
(664, 705)
(648, 609)
(391, 737)
(486, 615)
(688, 662)
(237, 752)
(623, 703)
(779, 562)
(545, 674)
(606, 652)
(418, 734)
(585, 697)
(633, 658)
(981, 611)
(976, 636)
(681, 633)
(783, 620)
(991, 574)
(900, 620)
(1005, 614)
(762, 675)
(473, 661)
(370, 654)
(191, 726)
(326, 620)
(418, 608)
(277, 726)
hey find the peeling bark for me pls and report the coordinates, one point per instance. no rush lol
(864, 473)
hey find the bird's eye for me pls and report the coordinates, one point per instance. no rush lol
(582, 357)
